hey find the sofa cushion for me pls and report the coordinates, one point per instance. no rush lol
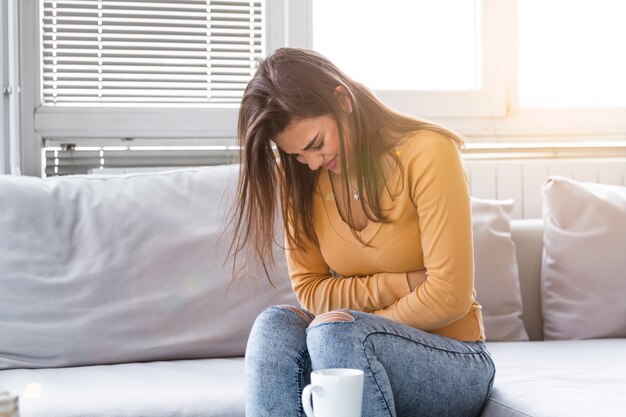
(496, 272)
(584, 262)
(186, 388)
(565, 378)
(98, 270)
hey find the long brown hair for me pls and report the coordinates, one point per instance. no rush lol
(293, 84)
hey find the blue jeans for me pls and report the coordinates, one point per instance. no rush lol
(408, 372)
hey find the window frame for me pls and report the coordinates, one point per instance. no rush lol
(4, 145)
(215, 122)
(493, 118)
(489, 101)
(493, 114)
(9, 76)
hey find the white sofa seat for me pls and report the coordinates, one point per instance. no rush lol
(190, 388)
(559, 378)
(537, 379)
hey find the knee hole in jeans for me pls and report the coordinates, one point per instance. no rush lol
(335, 316)
(303, 315)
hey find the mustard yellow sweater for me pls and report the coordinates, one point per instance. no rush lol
(430, 228)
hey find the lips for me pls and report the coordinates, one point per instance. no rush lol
(331, 164)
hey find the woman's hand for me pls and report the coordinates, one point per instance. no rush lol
(416, 278)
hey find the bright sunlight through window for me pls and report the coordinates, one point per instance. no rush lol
(402, 44)
(572, 53)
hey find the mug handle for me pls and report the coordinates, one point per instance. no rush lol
(306, 399)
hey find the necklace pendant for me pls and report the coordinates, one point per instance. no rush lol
(355, 196)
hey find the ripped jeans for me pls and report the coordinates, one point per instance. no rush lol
(408, 372)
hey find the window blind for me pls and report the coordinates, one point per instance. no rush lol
(80, 157)
(185, 52)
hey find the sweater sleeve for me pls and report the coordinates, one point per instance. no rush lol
(319, 291)
(439, 191)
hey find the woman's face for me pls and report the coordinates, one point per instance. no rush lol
(313, 141)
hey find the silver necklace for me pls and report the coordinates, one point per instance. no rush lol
(355, 193)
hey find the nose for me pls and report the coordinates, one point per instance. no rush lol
(314, 161)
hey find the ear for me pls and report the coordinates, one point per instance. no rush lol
(341, 93)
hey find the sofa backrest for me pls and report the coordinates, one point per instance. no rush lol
(527, 234)
(115, 269)
(99, 270)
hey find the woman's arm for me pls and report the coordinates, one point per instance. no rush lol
(318, 291)
(441, 196)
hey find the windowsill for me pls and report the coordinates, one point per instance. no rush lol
(544, 125)
(522, 126)
(543, 150)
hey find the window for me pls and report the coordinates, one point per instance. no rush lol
(523, 57)
(405, 46)
(582, 64)
(157, 83)
(429, 59)
(101, 52)
(143, 84)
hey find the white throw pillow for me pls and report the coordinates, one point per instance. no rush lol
(496, 272)
(103, 270)
(584, 260)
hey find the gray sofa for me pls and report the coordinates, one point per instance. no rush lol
(115, 301)
(558, 377)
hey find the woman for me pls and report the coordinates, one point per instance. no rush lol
(378, 240)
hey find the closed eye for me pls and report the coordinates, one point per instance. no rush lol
(318, 147)
(309, 147)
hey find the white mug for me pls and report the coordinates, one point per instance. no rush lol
(335, 393)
